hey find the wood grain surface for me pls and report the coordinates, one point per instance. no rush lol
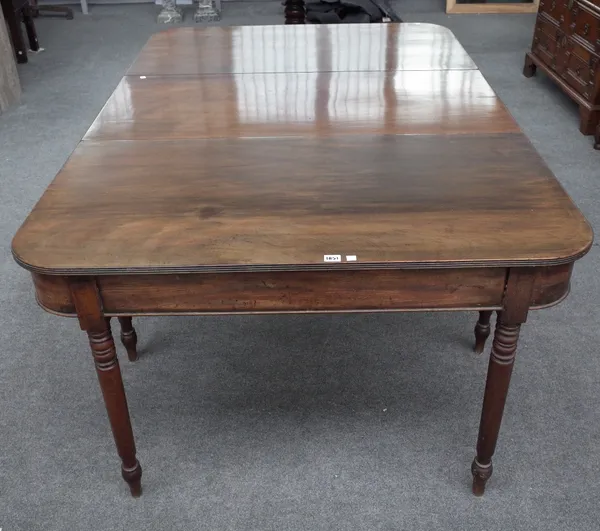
(314, 291)
(319, 103)
(284, 203)
(301, 48)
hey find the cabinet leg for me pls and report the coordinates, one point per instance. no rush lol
(597, 138)
(588, 120)
(482, 331)
(530, 67)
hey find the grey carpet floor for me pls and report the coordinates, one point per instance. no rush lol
(297, 422)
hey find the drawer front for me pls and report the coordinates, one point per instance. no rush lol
(581, 70)
(585, 25)
(545, 41)
(554, 9)
(321, 291)
(576, 74)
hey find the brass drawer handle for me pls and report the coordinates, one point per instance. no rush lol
(586, 29)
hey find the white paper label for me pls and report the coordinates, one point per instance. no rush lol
(332, 258)
(350, 258)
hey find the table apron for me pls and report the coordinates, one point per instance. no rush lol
(314, 291)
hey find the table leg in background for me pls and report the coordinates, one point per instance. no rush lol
(482, 330)
(128, 337)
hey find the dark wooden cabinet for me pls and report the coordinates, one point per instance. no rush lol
(566, 46)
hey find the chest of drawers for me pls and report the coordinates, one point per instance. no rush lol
(566, 46)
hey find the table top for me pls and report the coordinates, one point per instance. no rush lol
(279, 147)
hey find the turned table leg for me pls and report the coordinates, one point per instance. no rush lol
(482, 330)
(89, 310)
(128, 338)
(502, 358)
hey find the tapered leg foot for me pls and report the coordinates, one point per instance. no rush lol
(482, 331)
(530, 67)
(133, 477)
(481, 474)
(128, 337)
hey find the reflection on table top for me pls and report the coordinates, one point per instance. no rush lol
(324, 103)
(301, 48)
(258, 157)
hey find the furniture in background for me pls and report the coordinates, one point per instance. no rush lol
(15, 13)
(566, 47)
(324, 168)
(10, 88)
(339, 12)
(294, 11)
(459, 6)
(207, 11)
(170, 13)
(52, 10)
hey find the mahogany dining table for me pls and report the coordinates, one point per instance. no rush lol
(302, 168)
